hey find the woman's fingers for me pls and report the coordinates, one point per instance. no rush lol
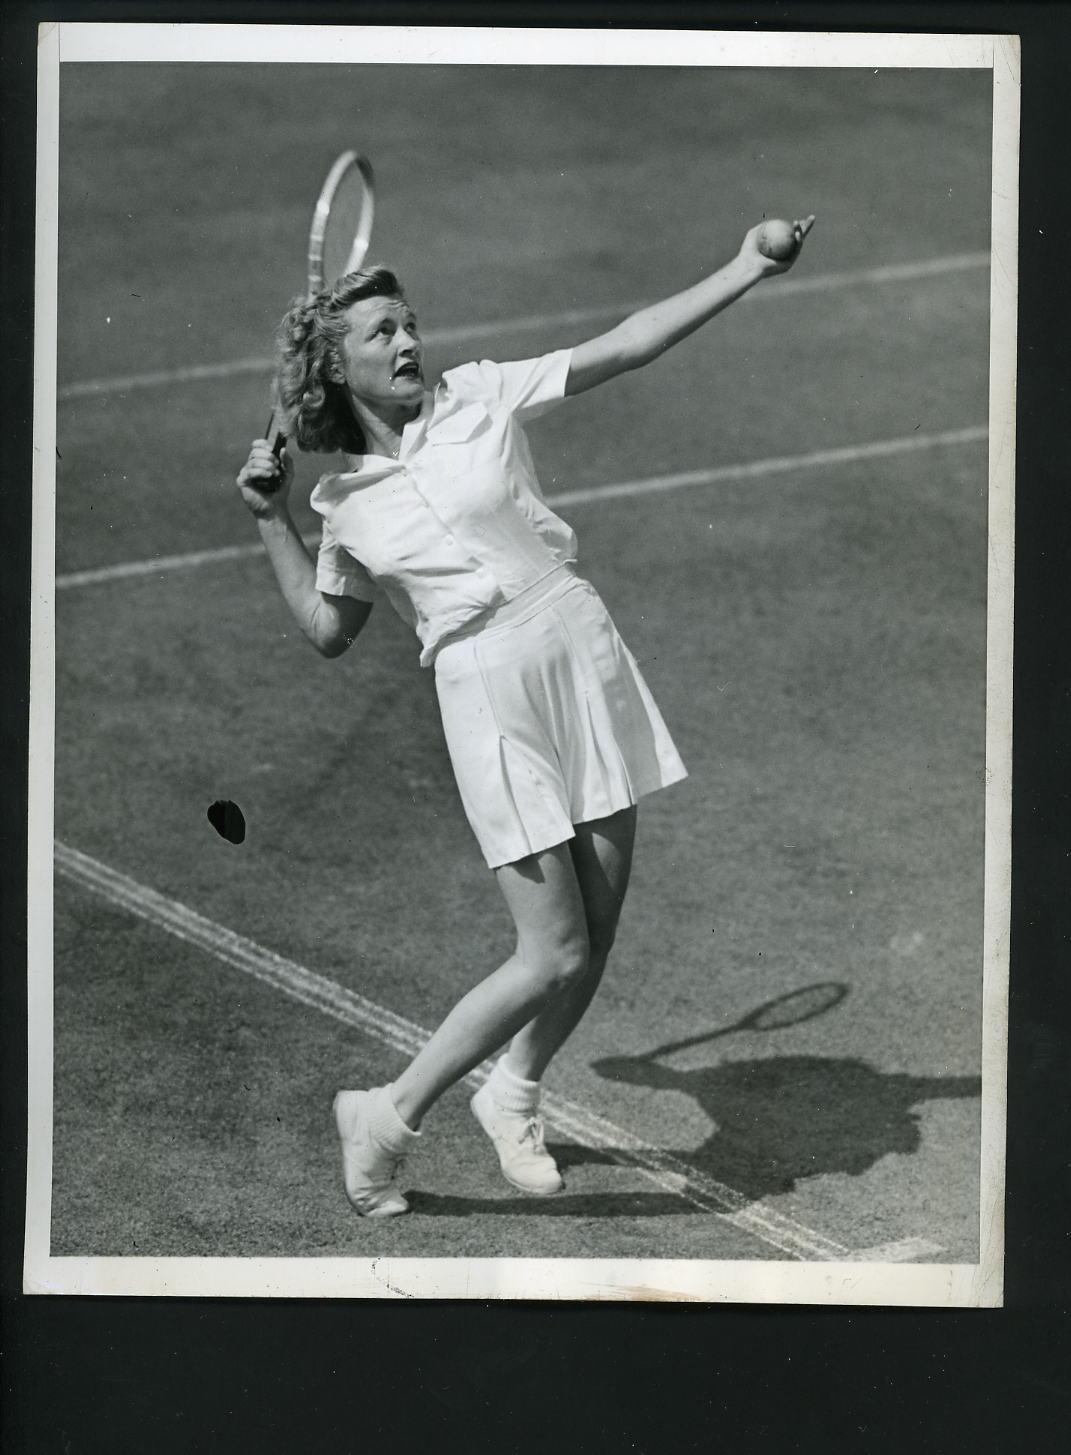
(251, 473)
(779, 252)
(262, 465)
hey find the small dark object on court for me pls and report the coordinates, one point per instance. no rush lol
(228, 820)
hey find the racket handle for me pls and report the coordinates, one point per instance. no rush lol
(276, 439)
(275, 436)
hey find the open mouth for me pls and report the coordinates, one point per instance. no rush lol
(409, 370)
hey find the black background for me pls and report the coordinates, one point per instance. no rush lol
(83, 1376)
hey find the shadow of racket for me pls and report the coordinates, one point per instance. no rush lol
(791, 1009)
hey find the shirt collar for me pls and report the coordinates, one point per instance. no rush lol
(370, 468)
(412, 433)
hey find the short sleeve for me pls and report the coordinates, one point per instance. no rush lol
(338, 574)
(526, 387)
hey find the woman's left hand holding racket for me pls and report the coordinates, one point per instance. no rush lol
(264, 479)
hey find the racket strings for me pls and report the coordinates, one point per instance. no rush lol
(342, 225)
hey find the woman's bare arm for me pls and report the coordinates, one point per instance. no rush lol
(331, 623)
(648, 333)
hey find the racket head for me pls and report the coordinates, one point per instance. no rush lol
(790, 1009)
(341, 227)
(795, 1007)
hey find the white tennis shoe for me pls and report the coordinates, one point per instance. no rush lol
(369, 1168)
(517, 1137)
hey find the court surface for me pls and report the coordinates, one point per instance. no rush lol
(797, 557)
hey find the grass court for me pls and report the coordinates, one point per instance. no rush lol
(810, 612)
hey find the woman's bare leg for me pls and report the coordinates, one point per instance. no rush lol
(548, 909)
(602, 857)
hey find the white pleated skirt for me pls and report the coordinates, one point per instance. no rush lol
(548, 720)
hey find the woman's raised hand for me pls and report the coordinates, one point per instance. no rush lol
(772, 247)
(264, 479)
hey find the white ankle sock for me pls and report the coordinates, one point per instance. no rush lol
(386, 1125)
(510, 1091)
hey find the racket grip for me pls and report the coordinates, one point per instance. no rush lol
(275, 437)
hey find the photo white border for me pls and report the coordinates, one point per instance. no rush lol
(759, 1281)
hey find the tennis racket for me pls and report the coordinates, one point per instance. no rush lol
(785, 1010)
(339, 234)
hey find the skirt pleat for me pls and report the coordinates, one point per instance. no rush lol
(548, 721)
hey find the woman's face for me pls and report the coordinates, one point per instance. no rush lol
(382, 355)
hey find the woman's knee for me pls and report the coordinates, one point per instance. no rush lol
(557, 964)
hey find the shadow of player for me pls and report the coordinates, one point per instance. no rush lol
(783, 1118)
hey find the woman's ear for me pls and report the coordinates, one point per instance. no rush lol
(335, 372)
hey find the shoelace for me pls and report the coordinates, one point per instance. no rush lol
(533, 1132)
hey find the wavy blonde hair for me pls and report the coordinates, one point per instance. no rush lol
(308, 395)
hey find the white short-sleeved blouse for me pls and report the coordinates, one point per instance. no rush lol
(457, 525)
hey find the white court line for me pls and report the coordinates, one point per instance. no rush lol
(790, 288)
(669, 1173)
(716, 475)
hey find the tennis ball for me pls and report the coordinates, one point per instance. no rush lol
(777, 240)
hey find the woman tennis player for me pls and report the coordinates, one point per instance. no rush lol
(552, 732)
